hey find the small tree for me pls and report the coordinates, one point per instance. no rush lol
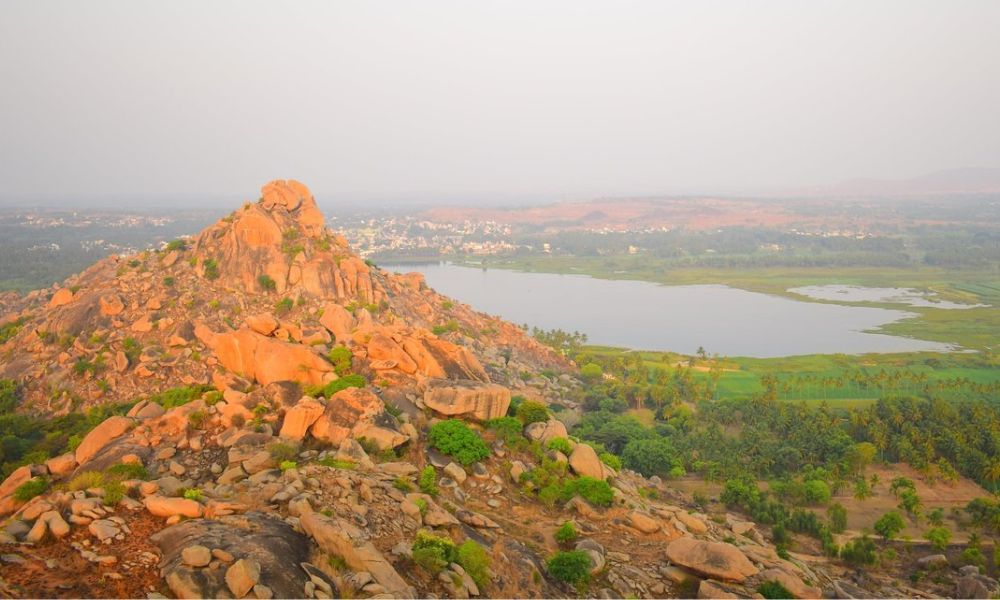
(938, 537)
(532, 411)
(572, 567)
(889, 525)
(838, 517)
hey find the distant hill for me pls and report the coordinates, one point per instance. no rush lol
(961, 181)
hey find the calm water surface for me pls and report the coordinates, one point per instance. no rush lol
(638, 314)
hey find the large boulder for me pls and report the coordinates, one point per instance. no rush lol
(543, 432)
(299, 418)
(337, 321)
(102, 435)
(473, 399)
(584, 461)
(341, 538)
(267, 360)
(441, 359)
(20, 476)
(792, 583)
(716, 560)
(254, 537)
(355, 413)
(382, 347)
(162, 506)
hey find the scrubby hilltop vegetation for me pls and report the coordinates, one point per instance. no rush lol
(256, 412)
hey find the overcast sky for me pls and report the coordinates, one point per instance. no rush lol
(490, 98)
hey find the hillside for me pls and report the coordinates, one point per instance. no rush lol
(257, 412)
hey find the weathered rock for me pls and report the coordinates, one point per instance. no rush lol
(299, 418)
(242, 575)
(933, 561)
(196, 555)
(693, 523)
(482, 401)
(382, 347)
(713, 559)
(710, 590)
(343, 539)
(584, 461)
(101, 436)
(350, 413)
(270, 542)
(792, 583)
(264, 324)
(249, 354)
(111, 305)
(543, 432)
(62, 297)
(455, 472)
(160, 506)
(337, 321)
(644, 522)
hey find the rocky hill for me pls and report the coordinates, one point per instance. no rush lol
(285, 420)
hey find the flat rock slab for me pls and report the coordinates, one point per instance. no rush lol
(272, 543)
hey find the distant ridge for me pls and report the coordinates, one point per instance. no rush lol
(955, 181)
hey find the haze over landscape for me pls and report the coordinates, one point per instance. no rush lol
(491, 100)
(687, 299)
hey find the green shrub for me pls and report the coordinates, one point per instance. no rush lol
(340, 357)
(177, 244)
(8, 395)
(132, 349)
(889, 525)
(566, 533)
(476, 562)
(860, 551)
(114, 491)
(282, 451)
(651, 456)
(595, 491)
(126, 471)
(333, 463)
(454, 438)
(194, 494)
(85, 481)
(938, 537)
(816, 491)
(287, 465)
(572, 567)
(428, 481)
(11, 329)
(402, 484)
(168, 281)
(422, 505)
(532, 411)
(507, 429)
(283, 306)
(327, 391)
(774, 589)
(561, 444)
(591, 372)
(35, 486)
(433, 553)
(197, 418)
(838, 517)
(178, 396)
(266, 283)
(611, 460)
(211, 267)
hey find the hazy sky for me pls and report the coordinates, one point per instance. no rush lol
(535, 97)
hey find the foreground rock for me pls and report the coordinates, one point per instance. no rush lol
(264, 549)
(717, 560)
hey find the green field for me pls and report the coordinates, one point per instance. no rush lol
(841, 380)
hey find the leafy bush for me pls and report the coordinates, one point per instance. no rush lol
(334, 463)
(476, 562)
(561, 444)
(11, 329)
(194, 494)
(860, 551)
(454, 438)
(211, 267)
(341, 358)
(611, 460)
(178, 396)
(774, 589)
(566, 533)
(282, 451)
(532, 411)
(85, 481)
(287, 465)
(283, 306)
(8, 395)
(114, 491)
(428, 481)
(889, 525)
(266, 283)
(651, 456)
(938, 537)
(572, 567)
(177, 244)
(507, 429)
(197, 418)
(595, 491)
(817, 492)
(127, 471)
(433, 553)
(402, 484)
(422, 505)
(327, 391)
(35, 486)
(591, 371)
(132, 349)
(838, 518)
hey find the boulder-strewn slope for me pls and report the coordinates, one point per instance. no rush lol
(330, 443)
(263, 294)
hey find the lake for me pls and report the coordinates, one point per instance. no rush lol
(649, 316)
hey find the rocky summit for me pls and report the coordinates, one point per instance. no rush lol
(257, 412)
